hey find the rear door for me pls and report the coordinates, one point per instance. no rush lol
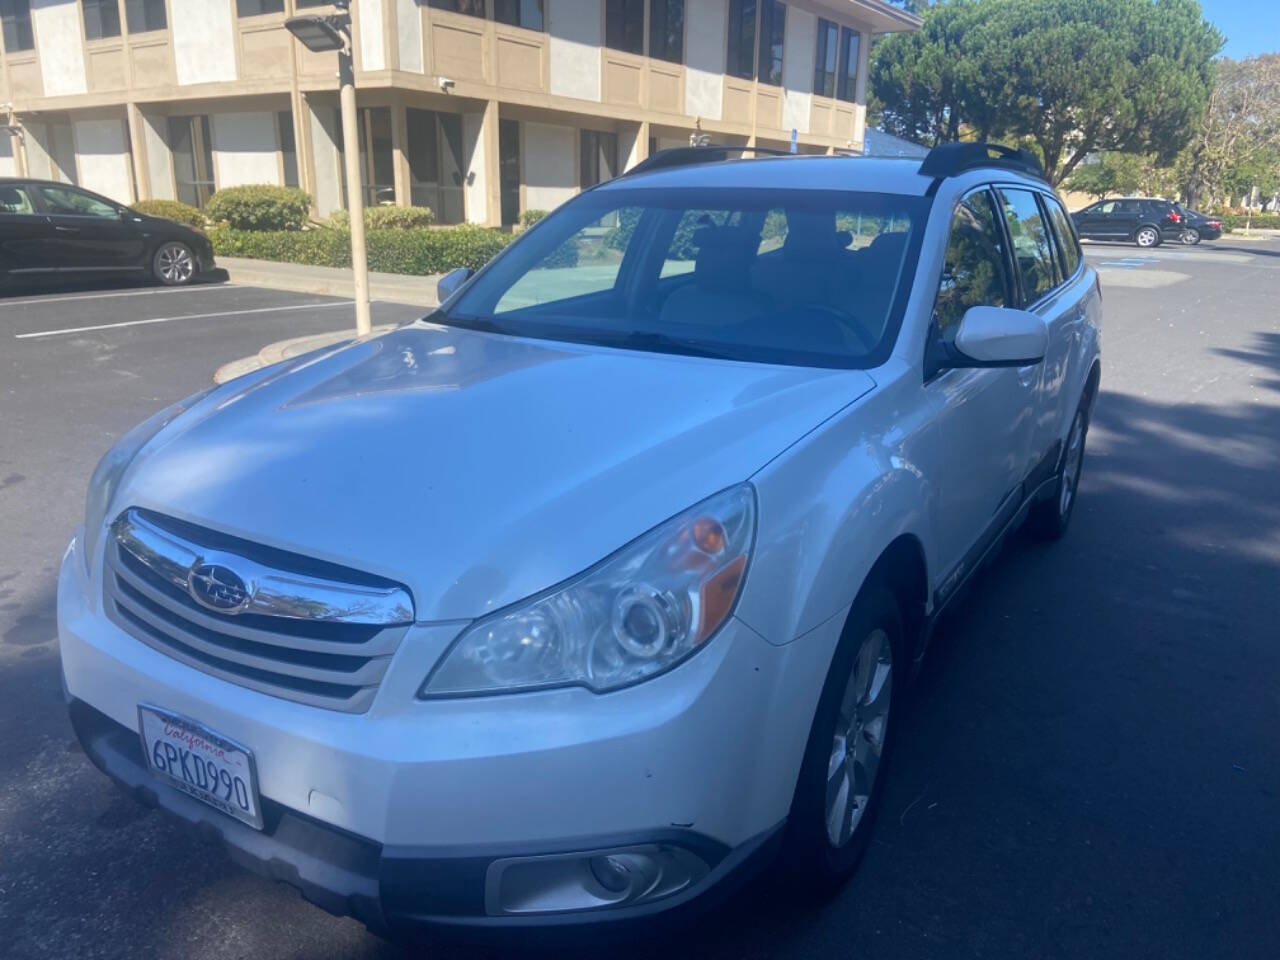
(26, 236)
(1124, 219)
(90, 232)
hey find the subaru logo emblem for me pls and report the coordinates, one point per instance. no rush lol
(218, 588)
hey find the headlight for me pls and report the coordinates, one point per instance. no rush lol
(636, 614)
(106, 476)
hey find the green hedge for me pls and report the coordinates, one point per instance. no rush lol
(1261, 221)
(530, 217)
(418, 252)
(171, 210)
(260, 207)
(386, 218)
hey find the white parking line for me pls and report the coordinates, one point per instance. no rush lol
(190, 316)
(120, 293)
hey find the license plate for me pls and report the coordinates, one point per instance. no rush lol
(202, 763)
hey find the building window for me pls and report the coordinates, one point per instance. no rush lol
(101, 19)
(16, 18)
(434, 143)
(824, 63)
(288, 147)
(255, 8)
(472, 8)
(599, 158)
(624, 25)
(192, 149)
(847, 79)
(509, 170)
(741, 59)
(519, 13)
(377, 169)
(666, 30)
(143, 16)
(773, 19)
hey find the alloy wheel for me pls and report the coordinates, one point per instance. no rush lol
(859, 737)
(174, 263)
(1071, 465)
(1147, 237)
(1191, 236)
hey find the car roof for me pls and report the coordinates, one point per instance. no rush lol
(900, 175)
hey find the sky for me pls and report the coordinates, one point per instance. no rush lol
(1250, 26)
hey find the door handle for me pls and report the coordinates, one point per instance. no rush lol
(62, 229)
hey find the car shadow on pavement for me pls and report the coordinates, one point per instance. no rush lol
(1086, 764)
(20, 289)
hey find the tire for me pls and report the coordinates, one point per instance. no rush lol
(818, 853)
(1190, 236)
(1049, 518)
(173, 264)
(1147, 237)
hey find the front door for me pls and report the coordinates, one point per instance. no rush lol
(985, 416)
(90, 232)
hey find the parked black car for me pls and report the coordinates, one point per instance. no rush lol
(1144, 221)
(50, 229)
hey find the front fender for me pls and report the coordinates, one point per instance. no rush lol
(830, 506)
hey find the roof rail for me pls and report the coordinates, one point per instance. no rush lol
(684, 156)
(949, 159)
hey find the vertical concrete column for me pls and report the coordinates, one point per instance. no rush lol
(483, 187)
(400, 153)
(860, 89)
(302, 143)
(138, 151)
(633, 142)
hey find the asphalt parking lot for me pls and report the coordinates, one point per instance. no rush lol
(1090, 766)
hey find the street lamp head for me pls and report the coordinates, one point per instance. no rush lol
(320, 34)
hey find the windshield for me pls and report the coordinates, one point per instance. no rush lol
(804, 277)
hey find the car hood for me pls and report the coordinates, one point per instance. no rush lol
(476, 469)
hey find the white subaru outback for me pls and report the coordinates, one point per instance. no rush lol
(601, 584)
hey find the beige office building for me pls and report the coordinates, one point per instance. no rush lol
(478, 109)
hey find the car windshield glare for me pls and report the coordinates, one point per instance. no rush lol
(801, 277)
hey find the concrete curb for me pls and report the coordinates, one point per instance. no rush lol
(331, 281)
(284, 349)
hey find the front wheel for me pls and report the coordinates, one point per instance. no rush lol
(842, 775)
(1049, 518)
(1147, 237)
(174, 264)
(1191, 236)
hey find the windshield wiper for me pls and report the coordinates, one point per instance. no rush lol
(665, 343)
(470, 322)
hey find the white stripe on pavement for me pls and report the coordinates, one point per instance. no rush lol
(191, 316)
(120, 293)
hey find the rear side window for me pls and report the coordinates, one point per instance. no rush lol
(1032, 245)
(1067, 246)
(973, 274)
(15, 200)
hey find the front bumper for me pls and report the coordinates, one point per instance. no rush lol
(395, 815)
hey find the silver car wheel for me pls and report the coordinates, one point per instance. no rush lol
(1191, 236)
(174, 263)
(859, 739)
(1147, 237)
(1071, 465)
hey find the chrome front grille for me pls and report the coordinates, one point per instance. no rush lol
(300, 629)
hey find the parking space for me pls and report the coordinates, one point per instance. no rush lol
(1088, 766)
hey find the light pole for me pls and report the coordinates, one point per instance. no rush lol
(322, 34)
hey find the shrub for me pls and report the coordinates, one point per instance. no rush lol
(418, 252)
(386, 218)
(260, 207)
(1260, 221)
(171, 210)
(530, 217)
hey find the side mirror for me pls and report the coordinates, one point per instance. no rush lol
(449, 284)
(999, 337)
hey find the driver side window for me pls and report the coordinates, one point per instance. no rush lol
(974, 273)
(64, 201)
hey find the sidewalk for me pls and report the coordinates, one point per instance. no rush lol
(335, 281)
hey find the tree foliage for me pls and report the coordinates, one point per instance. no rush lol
(1072, 76)
(1111, 174)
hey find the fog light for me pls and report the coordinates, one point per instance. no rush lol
(594, 880)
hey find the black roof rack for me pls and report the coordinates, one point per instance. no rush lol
(684, 156)
(949, 159)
